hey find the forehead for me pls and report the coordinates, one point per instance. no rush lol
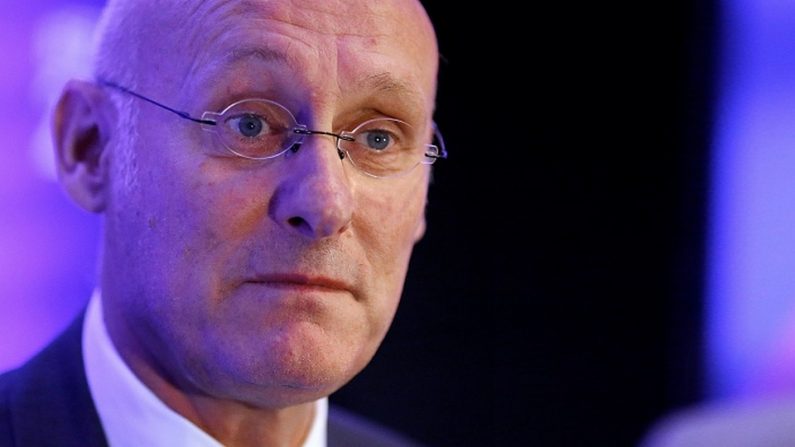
(342, 44)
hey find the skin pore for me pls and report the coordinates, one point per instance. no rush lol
(242, 291)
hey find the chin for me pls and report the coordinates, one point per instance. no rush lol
(298, 366)
(318, 372)
(288, 387)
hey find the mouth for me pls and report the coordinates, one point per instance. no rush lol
(300, 281)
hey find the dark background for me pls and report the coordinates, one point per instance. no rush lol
(556, 298)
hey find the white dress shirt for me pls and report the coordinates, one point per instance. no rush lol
(131, 414)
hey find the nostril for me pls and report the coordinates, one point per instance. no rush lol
(296, 221)
(301, 225)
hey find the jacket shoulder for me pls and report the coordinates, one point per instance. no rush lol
(762, 422)
(46, 401)
(6, 428)
(351, 430)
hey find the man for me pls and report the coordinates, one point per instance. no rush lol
(262, 169)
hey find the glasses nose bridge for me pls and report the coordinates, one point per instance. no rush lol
(304, 131)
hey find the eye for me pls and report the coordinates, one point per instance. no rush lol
(249, 125)
(380, 135)
(377, 139)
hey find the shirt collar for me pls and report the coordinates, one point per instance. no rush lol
(131, 414)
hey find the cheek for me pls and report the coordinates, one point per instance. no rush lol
(190, 196)
(225, 204)
(218, 213)
(185, 217)
(394, 216)
(388, 225)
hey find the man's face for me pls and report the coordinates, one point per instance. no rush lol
(271, 282)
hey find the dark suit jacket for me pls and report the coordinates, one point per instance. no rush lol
(46, 402)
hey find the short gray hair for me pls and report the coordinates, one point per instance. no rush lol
(116, 50)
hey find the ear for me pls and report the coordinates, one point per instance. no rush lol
(81, 128)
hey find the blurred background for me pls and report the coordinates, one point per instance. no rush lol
(47, 245)
(610, 240)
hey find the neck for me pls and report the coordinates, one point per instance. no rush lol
(231, 422)
(235, 424)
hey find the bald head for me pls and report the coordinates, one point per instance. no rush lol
(137, 39)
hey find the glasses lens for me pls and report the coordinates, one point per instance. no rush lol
(383, 147)
(257, 128)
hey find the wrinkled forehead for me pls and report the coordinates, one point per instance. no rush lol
(186, 40)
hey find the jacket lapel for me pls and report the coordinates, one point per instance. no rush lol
(49, 400)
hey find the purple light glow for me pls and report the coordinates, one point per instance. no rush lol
(751, 284)
(47, 245)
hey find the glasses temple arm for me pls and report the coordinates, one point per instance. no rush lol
(182, 114)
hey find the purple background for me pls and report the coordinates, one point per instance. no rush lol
(47, 244)
(751, 282)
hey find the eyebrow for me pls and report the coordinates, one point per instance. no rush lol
(383, 82)
(387, 83)
(263, 54)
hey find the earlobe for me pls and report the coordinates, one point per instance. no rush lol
(81, 131)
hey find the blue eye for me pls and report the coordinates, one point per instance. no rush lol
(378, 140)
(249, 125)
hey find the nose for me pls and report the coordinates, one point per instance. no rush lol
(314, 197)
